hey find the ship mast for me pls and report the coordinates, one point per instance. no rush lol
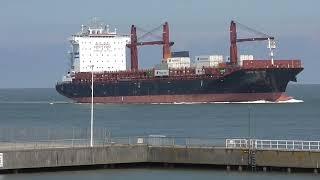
(233, 43)
(135, 42)
(234, 40)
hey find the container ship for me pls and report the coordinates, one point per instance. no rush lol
(100, 72)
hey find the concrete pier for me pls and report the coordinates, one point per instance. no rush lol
(78, 156)
(18, 160)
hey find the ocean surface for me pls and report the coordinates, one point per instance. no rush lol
(45, 109)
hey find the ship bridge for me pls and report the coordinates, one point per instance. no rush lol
(97, 48)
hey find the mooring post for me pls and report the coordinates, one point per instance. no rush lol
(264, 169)
(228, 168)
(315, 171)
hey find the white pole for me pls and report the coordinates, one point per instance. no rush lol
(91, 130)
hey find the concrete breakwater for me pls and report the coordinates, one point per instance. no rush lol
(63, 158)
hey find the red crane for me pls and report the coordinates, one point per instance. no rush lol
(234, 40)
(165, 42)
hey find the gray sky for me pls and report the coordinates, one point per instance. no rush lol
(33, 33)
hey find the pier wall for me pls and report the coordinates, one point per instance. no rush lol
(293, 159)
(79, 156)
(140, 154)
(198, 155)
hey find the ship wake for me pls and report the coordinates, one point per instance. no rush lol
(267, 102)
(242, 102)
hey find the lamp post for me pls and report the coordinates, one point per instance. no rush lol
(91, 122)
(249, 122)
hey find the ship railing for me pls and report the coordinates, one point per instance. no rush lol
(268, 64)
(263, 144)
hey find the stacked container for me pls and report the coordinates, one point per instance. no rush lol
(208, 60)
(244, 57)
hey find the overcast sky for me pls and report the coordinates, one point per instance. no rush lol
(33, 33)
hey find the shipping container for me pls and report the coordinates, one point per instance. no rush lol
(200, 71)
(180, 54)
(178, 62)
(161, 66)
(243, 58)
(208, 60)
(161, 73)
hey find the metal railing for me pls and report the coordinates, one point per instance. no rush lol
(261, 144)
(40, 138)
(35, 138)
(237, 143)
(255, 144)
(109, 141)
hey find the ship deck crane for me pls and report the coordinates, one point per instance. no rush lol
(165, 42)
(234, 40)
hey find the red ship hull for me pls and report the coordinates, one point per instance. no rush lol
(193, 98)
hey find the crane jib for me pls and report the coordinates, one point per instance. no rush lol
(255, 39)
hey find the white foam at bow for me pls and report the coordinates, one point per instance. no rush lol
(243, 102)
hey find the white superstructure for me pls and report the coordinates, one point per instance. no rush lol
(95, 45)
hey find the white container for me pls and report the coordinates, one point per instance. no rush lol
(243, 58)
(202, 64)
(162, 72)
(200, 71)
(208, 60)
(202, 58)
(178, 62)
